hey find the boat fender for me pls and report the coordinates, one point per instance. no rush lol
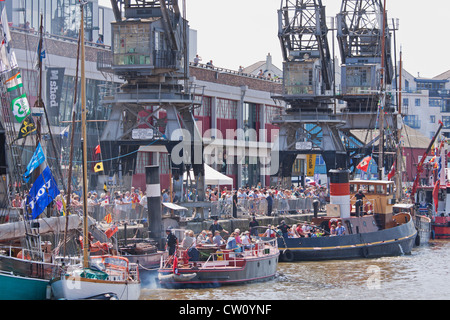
(433, 234)
(287, 255)
(365, 252)
(417, 241)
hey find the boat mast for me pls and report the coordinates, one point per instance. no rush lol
(84, 142)
(383, 97)
(398, 172)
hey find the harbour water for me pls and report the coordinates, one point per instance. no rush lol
(422, 275)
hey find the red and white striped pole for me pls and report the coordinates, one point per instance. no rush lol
(340, 191)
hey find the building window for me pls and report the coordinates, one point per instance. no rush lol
(203, 110)
(432, 119)
(446, 122)
(417, 103)
(271, 113)
(226, 109)
(406, 102)
(413, 121)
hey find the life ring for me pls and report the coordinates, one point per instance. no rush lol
(287, 255)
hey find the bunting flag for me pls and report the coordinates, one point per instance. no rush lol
(105, 188)
(364, 164)
(43, 192)
(14, 83)
(28, 127)
(97, 149)
(20, 107)
(36, 160)
(392, 172)
(98, 167)
(8, 59)
(108, 218)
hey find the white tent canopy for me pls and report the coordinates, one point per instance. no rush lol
(212, 177)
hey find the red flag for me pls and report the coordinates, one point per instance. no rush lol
(97, 149)
(364, 164)
(392, 172)
(436, 195)
(110, 232)
(175, 265)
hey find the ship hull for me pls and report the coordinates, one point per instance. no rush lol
(252, 270)
(441, 227)
(70, 288)
(388, 242)
(22, 288)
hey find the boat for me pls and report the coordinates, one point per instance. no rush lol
(26, 262)
(95, 275)
(223, 267)
(377, 232)
(431, 197)
(142, 252)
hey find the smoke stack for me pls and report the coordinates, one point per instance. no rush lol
(340, 190)
(153, 192)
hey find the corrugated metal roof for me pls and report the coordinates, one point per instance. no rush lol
(412, 138)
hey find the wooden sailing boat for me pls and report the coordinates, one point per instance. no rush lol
(25, 270)
(100, 274)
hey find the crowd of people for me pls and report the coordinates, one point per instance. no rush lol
(237, 240)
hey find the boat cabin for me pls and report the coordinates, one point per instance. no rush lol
(378, 200)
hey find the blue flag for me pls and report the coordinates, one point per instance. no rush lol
(37, 159)
(44, 190)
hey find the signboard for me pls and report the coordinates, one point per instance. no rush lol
(303, 145)
(55, 79)
(142, 134)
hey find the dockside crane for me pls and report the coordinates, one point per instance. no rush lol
(149, 52)
(309, 125)
(367, 72)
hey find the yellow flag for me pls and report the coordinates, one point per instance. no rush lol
(98, 167)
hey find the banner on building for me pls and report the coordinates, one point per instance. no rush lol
(55, 80)
(310, 165)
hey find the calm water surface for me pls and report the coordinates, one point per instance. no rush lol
(423, 275)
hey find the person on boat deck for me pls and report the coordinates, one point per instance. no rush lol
(232, 243)
(253, 227)
(202, 237)
(359, 203)
(189, 244)
(340, 230)
(238, 236)
(218, 240)
(217, 227)
(270, 233)
(171, 242)
(333, 230)
(246, 241)
(283, 227)
(209, 239)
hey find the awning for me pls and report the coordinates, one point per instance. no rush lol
(212, 177)
(173, 206)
